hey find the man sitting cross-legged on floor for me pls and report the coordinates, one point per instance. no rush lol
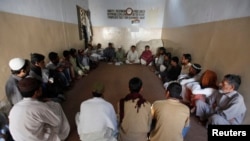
(33, 120)
(109, 53)
(170, 117)
(97, 120)
(203, 89)
(184, 80)
(146, 57)
(134, 114)
(226, 106)
(120, 56)
(173, 73)
(132, 56)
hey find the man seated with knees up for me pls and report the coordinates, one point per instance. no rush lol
(226, 106)
(79, 69)
(51, 89)
(170, 116)
(97, 119)
(33, 120)
(60, 70)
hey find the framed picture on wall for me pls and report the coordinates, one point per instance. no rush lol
(84, 25)
(80, 17)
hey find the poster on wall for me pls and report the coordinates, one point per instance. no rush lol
(84, 25)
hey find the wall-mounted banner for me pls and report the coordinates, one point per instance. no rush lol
(123, 14)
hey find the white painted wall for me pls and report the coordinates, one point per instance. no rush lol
(153, 15)
(188, 12)
(58, 10)
(159, 13)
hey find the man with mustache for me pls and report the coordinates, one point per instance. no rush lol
(226, 107)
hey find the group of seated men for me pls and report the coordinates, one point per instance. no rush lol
(211, 101)
(120, 56)
(33, 87)
(169, 119)
(54, 77)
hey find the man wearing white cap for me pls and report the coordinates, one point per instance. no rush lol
(20, 69)
(187, 79)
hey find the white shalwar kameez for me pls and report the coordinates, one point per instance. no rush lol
(33, 120)
(96, 121)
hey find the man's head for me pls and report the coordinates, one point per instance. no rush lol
(174, 90)
(135, 85)
(230, 83)
(194, 69)
(186, 58)
(162, 50)
(120, 48)
(30, 87)
(73, 52)
(209, 79)
(133, 48)
(99, 45)
(98, 89)
(110, 44)
(66, 54)
(147, 47)
(37, 60)
(19, 67)
(89, 46)
(167, 56)
(174, 61)
(53, 57)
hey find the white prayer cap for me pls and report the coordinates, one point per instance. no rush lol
(196, 66)
(16, 63)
